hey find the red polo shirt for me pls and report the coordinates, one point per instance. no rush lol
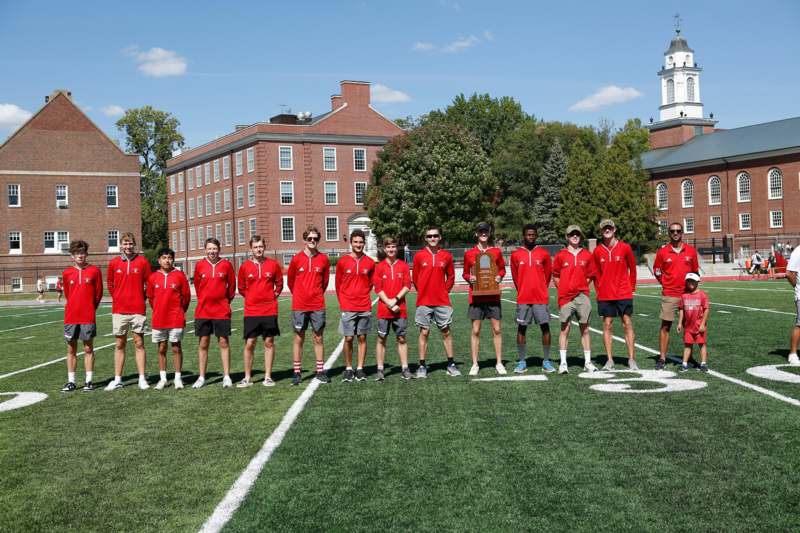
(126, 280)
(260, 284)
(169, 297)
(531, 271)
(308, 277)
(434, 277)
(671, 267)
(83, 288)
(215, 285)
(391, 278)
(573, 271)
(354, 282)
(616, 271)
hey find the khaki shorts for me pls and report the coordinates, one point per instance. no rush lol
(121, 324)
(173, 335)
(669, 304)
(580, 307)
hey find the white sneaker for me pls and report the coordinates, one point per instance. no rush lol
(793, 359)
(474, 369)
(589, 367)
(161, 384)
(501, 369)
(609, 365)
(268, 382)
(113, 385)
(143, 385)
(178, 384)
(199, 383)
(244, 384)
(227, 383)
(632, 364)
(563, 368)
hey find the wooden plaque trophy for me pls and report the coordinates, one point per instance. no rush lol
(485, 272)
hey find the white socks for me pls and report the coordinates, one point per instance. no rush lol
(163, 375)
(118, 379)
(587, 356)
(71, 377)
(563, 355)
(89, 376)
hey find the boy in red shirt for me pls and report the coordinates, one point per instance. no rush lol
(693, 311)
(126, 279)
(169, 296)
(83, 287)
(392, 281)
(308, 276)
(614, 284)
(483, 307)
(531, 271)
(353, 286)
(673, 261)
(215, 286)
(573, 267)
(434, 277)
(260, 283)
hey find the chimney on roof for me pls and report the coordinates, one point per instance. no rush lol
(355, 93)
(56, 92)
(336, 101)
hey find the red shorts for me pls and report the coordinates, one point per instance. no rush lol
(694, 337)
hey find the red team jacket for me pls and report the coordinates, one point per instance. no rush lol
(469, 260)
(391, 278)
(215, 285)
(169, 297)
(434, 277)
(260, 284)
(354, 282)
(615, 269)
(126, 280)
(573, 272)
(671, 267)
(531, 272)
(83, 288)
(308, 278)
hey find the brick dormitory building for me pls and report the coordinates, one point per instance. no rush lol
(62, 179)
(738, 187)
(275, 178)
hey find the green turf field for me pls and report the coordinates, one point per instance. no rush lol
(451, 454)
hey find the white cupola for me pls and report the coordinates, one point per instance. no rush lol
(680, 82)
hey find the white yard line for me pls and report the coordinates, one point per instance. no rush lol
(713, 304)
(40, 324)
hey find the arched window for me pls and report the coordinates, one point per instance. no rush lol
(743, 187)
(670, 91)
(690, 89)
(687, 193)
(775, 179)
(661, 196)
(714, 191)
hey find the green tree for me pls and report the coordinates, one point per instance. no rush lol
(153, 135)
(437, 174)
(585, 192)
(547, 204)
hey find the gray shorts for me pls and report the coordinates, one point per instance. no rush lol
(173, 335)
(84, 332)
(527, 314)
(385, 325)
(355, 323)
(482, 311)
(580, 307)
(441, 315)
(301, 319)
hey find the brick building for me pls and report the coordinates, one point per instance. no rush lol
(62, 179)
(274, 178)
(737, 187)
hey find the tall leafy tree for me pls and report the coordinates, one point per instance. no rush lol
(585, 192)
(547, 204)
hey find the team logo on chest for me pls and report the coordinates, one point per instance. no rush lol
(119, 271)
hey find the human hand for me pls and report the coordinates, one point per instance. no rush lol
(702, 328)
(680, 328)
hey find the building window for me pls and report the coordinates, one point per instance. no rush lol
(670, 91)
(172, 184)
(331, 193)
(217, 203)
(173, 212)
(183, 240)
(687, 193)
(198, 176)
(776, 219)
(209, 231)
(240, 235)
(287, 193)
(253, 227)
(714, 191)
(174, 240)
(180, 182)
(744, 221)
(209, 209)
(200, 206)
(775, 178)
(191, 208)
(216, 170)
(200, 238)
(228, 234)
(745, 251)
(251, 159)
(226, 168)
(690, 89)
(663, 226)
(207, 173)
(329, 158)
(226, 200)
(111, 196)
(331, 228)
(181, 211)
(190, 179)
(191, 239)
(285, 158)
(716, 223)
(688, 225)
(360, 159)
(62, 196)
(251, 194)
(16, 284)
(14, 198)
(287, 259)
(237, 161)
(743, 187)
(361, 190)
(287, 229)
(113, 240)
(14, 242)
(661, 196)
(218, 231)
(56, 241)
(239, 196)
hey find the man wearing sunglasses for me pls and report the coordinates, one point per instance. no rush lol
(673, 261)
(614, 284)
(434, 277)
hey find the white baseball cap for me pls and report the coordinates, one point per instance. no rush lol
(692, 276)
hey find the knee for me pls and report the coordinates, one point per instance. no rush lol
(269, 343)
(423, 333)
(223, 342)
(318, 339)
(400, 340)
(446, 332)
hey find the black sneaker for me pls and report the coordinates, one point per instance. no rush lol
(68, 387)
(703, 367)
(379, 375)
(348, 375)
(361, 375)
(407, 374)
(322, 377)
(88, 387)
(660, 364)
(296, 378)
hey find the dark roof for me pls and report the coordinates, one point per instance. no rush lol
(727, 144)
(678, 44)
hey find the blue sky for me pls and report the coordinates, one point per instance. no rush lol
(214, 65)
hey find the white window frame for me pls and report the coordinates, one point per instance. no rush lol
(200, 238)
(174, 240)
(198, 176)
(325, 192)
(226, 167)
(116, 195)
(237, 160)
(280, 158)
(16, 285)
(355, 192)
(749, 221)
(172, 184)
(711, 223)
(190, 208)
(229, 234)
(365, 159)
(57, 240)
(283, 239)
(218, 232)
(772, 214)
(18, 195)
(253, 226)
(181, 211)
(209, 231)
(325, 151)
(251, 194)
(251, 159)
(209, 205)
(217, 202)
(336, 220)
(216, 170)
(291, 192)
(192, 239)
(711, 195)
(226, 200)
(688, 225)
(207, 173)
(66, 194)
(200, 206)
(662, 186)
(663, 227)
(173, 209)
(182, 240)
(189, 179)
(739, 197)
(15, 251)
(779, 193)
(241, 236)
(180, 182)
(684, 201)
(240, 197)
(108, 240)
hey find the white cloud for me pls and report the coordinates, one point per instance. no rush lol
(157, 62)
(462, 43)
(453, 47)
(12, 116)
(424, 47)
(113, 110)
(489, 36)
(606, 96)
(385, 95)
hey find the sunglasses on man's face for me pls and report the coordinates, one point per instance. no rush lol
(677, 231)
(313, 239)
(574, 234)
(432, 236)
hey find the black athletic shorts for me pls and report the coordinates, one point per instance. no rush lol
(266, 326)
(615, 307)
(204, 327)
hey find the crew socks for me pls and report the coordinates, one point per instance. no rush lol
(177, 376)
(117, 379)
(71, 377)
(296, 365)
(563, 355)
(89, 376)
(587, 356)
(163, 375)
(320, 367)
